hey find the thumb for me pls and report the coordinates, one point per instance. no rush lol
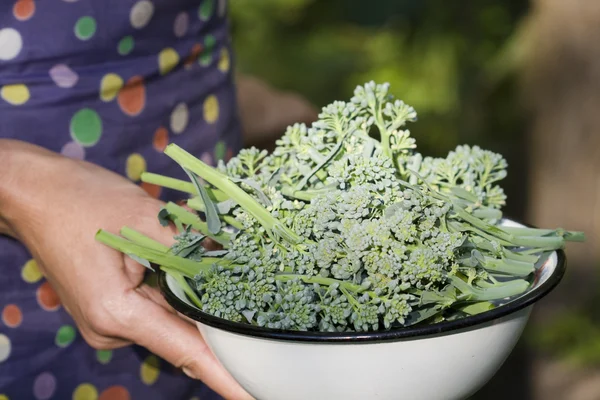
(181, 344)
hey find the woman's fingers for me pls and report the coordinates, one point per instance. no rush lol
(181, 344)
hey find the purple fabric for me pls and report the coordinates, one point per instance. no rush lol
(63, 64)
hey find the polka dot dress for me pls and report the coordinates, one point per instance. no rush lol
(112, 83)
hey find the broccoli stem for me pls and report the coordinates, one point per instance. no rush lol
(181, 281)
(511, 267)
(487, 213)
(321, 281)
(167, 182)
(306, 195)
(187, 267)
(195, 222)
(476, 308)
(493, 292)
(324, 162)
(223, 183)
(519, 256)
(571, 236)
(179, 185)
(143, 240)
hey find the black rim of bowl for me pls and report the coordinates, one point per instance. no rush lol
(379, 336)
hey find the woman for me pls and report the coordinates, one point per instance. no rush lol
(91, 91)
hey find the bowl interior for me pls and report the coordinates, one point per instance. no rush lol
(548, 273)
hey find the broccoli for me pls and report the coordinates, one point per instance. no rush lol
(345, 227)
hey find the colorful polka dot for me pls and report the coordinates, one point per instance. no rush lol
(44, 386)
(220, 149)
(12, 316)
(110, 85)
(47, 297)
(132, 97)
(10, 43)
(210, 42)
(194, 54)
(125, 45)
(141, 14)
(63, 76)
(5, 347)
(206, 9)
(30, 272)
(24, 9)
(85, 391)
(151, 189)
(85, 28)
(211, 109)
(206, 57)
(135, 166)
(179, 118)
(86, 127)
(224, 61)
(167, 60)
(73, 150)
(15, 94)
(150, 370)
(115, 393)
(181, 25)
(104, 356)
(65, 336)
(160, 139)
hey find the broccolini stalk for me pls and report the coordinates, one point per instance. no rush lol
(571, 236)
(320, 280)
(168, 182)
(195, 222)
(187, 267)
(493, 292)
(179, 185)
(476, 308)
(223, 183)
(143, 240)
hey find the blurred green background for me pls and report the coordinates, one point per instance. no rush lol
(458, 64)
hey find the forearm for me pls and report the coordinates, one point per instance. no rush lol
(23, 178)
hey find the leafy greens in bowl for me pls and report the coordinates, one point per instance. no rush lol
(345, 227)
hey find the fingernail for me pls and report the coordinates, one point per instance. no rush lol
(188, 372)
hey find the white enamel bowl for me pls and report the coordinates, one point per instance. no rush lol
(445, 361)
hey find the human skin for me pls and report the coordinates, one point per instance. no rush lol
(54, 205)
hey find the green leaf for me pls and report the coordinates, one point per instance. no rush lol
(140, 260)
(164, 217)
(212, 214)
(256, 187)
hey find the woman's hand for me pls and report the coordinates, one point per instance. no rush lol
(54, 206)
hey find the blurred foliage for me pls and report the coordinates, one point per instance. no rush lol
(434, 53)
(573, 334)
(573, 337)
